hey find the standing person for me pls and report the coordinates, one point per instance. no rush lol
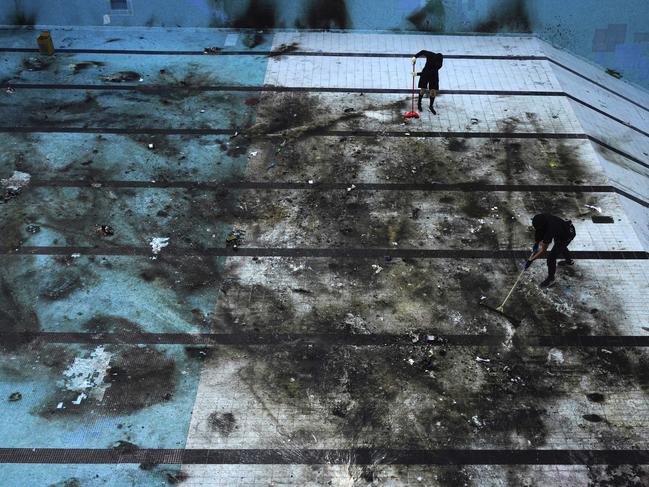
(548, 228)
(429, 76)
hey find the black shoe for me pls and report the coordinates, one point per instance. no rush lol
(566, 262)
(433, 110)
(419, 108)
(549, 282)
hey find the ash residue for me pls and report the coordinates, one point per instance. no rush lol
(224, 423)
(123, 77)
(138, 378)
(15, 315)
(37, 63)
(84, 65)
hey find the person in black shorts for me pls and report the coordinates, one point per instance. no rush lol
(548, 228)
(429, 76)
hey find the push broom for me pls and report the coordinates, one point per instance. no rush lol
(412, 113)
(501, 309)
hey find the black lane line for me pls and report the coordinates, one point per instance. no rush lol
(164, 89)
(272, 185)
(632, 197)
(608, 115)
(295, 456)
(599, 85)
(225, 52)
(354, 253)
(267, 339)
(318, 132)
(617, 151)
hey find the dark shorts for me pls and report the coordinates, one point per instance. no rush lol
(428, 83)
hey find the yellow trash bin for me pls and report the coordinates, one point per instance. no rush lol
(45, 44)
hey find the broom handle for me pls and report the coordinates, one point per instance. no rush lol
(513, 287)
(413, 89)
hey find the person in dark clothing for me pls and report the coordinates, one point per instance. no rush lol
(548, 228)
(429, 76)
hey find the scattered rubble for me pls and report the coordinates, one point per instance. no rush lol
(15, 396)
(284, 49)
(596, 208)
(14, 185)
(17, 181)
(158, 243)
(555, 356)
(235, 238)
(212, 50)
(105, 230)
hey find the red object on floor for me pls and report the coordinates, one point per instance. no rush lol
(412, 113)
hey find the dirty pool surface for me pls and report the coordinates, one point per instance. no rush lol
(130, 324)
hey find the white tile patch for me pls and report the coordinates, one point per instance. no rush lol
(410, 43)
(391, 73)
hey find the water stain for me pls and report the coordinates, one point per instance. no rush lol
(509, 16)
(429, 18)
(327, 14)
(260, 14)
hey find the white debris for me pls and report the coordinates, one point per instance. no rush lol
(596, 208)
(17, 181)
(75, 256)
(555, 356)
(86, 375)
(411, 361)
(158, 243)
(430, 338)
(151, 146)
(80, 398)
(10, 90)
(310, 181)
(377, 268)
(59, 405)
(253, 154)
(353, 186)
(296, 268)
(476, 421)
(479, 359)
